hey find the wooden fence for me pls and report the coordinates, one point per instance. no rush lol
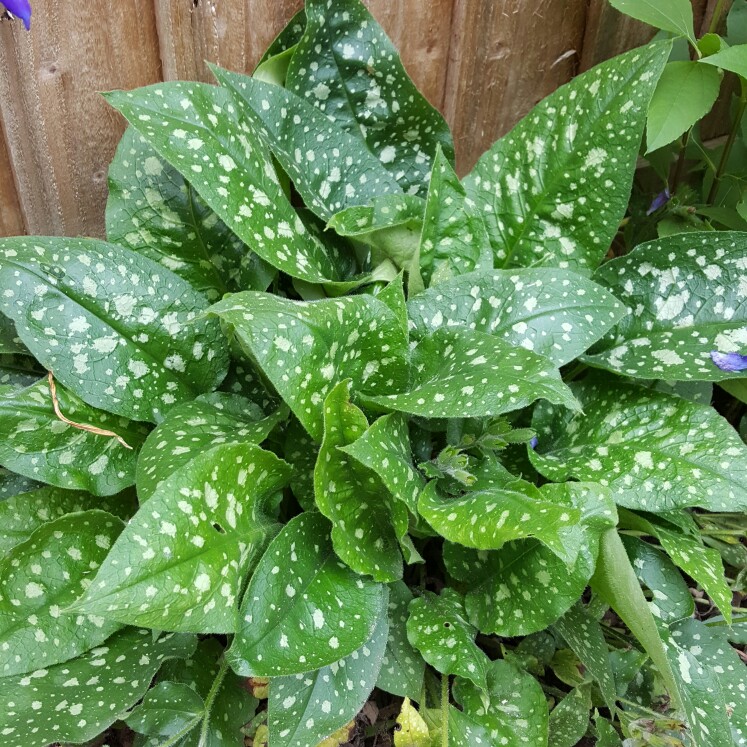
(484, 63)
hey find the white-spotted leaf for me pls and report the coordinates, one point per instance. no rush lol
(12, 484)
(569, 720)
(167, 709)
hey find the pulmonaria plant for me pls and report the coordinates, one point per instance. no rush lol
(321, 422)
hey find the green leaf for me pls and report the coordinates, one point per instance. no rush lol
(586, 638)
(287, 38)
(22, 514)
(458, 373)
(352, 497)
(303, 609)
(513, 710)
(154, 211)
(181, 561)
(195, 427)
(655, 452)
(301, 453)
(167, 709)
(402, 668)
(413, 730)
(569, 720)
(18, 371)
(12, 484)
(10, 342)
(305, 348)
(114, 327)
(685, 297)
(305, 708)
(554, 189)
(733, 59)
(245, 194)
(685, 94)
(555, 313)
(670, 15)
(454, 240)
(33, 590)
(439, 629)
(330, 168)
(36, 443)
(61, 703)
(347, 67)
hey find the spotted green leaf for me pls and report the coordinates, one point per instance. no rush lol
(330, 168)
(12, 484)
(75, 701)
(198, 426)
(154, 211)
(182, 559)
(586, 638)
(303, 609)
(513, 709)
(402, 668)
(305, 348)
(685, 297)
(454, 240)
(166, 710)
(303, 709)
(233, 174)
(346, 66)
(555, 313)
(654, 451)
(439, 629)
(413, 730)
(301, 453)
(10, 342)
(19, 371)
(554, 189)
(39, 578)
(114, 327)
(352, 497)
(36, 443)
(459, 373)
(569, 719)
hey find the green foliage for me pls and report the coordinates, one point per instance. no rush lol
(324, 415)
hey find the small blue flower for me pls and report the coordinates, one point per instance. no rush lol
(533, 442)
(732, 362)
(20, 8)
(659, 201)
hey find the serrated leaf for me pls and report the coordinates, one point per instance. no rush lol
(733, 59)
(117, 329)
(195, 427)
(586, 638)
(454, 240)
(685, 300)
(439, 629)
(528, 185)
(36, 443)
(655, 452)
(459, 373)
(352, 497)
(330, 168)
(402, 668)
(685, 93)
(43, 575)
(305, 348)
(303, 609)
(305, 708)
(196, 141)
(569, 719)
(555, 313)
(154, 211)
(167, 709)
(61, 704)
(516, 709)
(347, 67)
(671, 15)
(182, 559)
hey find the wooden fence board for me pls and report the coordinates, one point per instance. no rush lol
(60, 132)
(11, 218)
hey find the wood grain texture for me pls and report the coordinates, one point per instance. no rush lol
(505, 56)
(61, 134)
(11, 217)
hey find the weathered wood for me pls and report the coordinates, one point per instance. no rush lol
(505, 57)
(11, 218)
(61, 134)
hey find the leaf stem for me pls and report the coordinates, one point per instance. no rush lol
(174, 739)
(716, 17)
(210, 701)
(444, 710)
(729, 143)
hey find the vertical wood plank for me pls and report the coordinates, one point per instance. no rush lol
(505, 56)
(60, 132)
(11, 218)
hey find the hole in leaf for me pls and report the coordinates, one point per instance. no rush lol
(218, 528)
(447, 624)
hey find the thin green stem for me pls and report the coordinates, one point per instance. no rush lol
(210, 701)
(679, 169)
(444, 710)
(729, 143)
(716, 17)
(174, 739)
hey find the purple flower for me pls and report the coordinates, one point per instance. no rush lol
(20, 8)
(732, 362)
(533, 442)
(659, 201)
